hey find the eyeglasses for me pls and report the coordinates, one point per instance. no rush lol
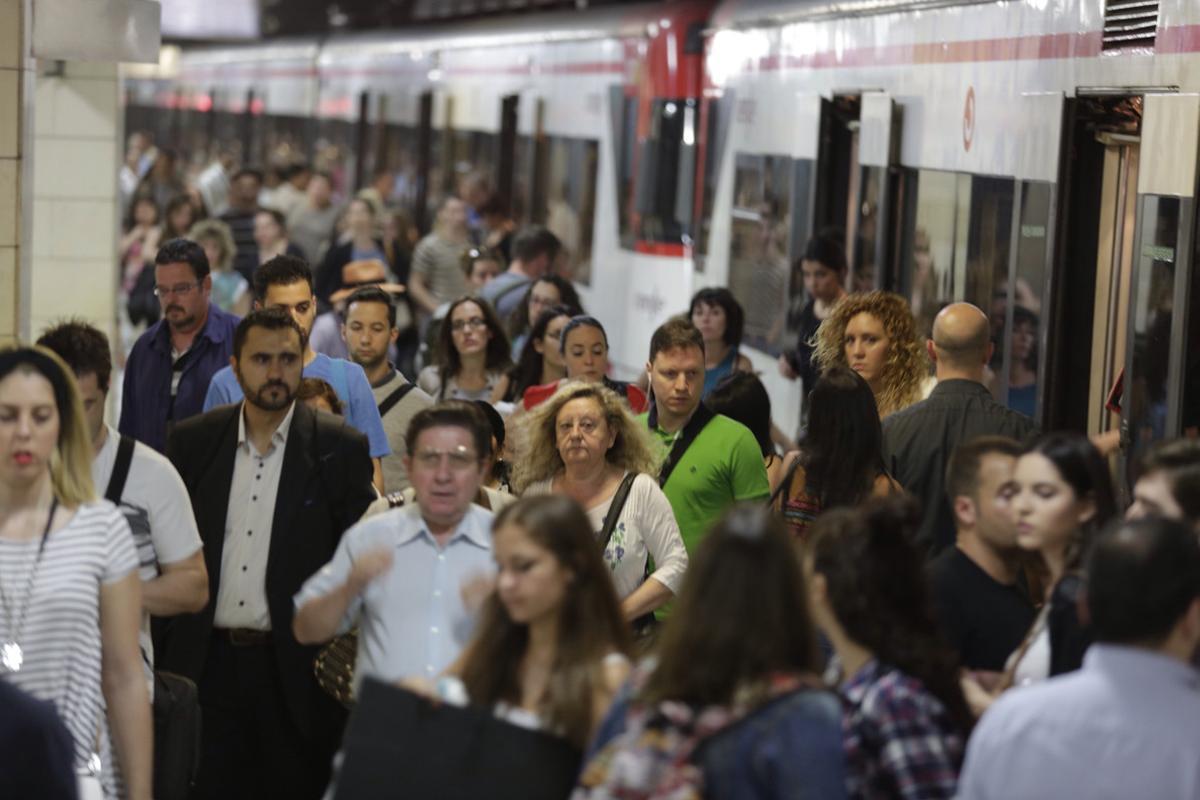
(460, 325)
(459, 459)
(179, 289)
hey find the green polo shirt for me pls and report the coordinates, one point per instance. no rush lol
(723, 466)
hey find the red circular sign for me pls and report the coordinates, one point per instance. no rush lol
(968, 123)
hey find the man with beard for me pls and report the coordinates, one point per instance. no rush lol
(369, 330)
(273, 486)
(286, 283)
(169, 369)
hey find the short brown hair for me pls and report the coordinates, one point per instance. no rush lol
(962, 469)
(675, 333)
(314, 388)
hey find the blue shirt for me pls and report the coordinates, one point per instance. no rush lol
(147, 408)
(1125, 725)
(411, 619)
(348, 381)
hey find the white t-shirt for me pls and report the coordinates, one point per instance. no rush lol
(159, 512)
(646, 528)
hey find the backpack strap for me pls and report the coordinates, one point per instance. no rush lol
(614, 510)
(394, 398)
(701, 417)
(120, 473)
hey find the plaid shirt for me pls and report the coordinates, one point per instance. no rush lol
(899, 740)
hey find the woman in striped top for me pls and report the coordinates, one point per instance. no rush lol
(70, 600)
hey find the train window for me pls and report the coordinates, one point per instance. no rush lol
(569, 191)
(623, 109)
(401, 157)
(958, 233)
(469, 155)
(1025, 348)
(1153, 290)
(522, 194)
(760, 245)
(666, 173)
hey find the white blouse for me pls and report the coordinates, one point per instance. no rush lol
(645, 529)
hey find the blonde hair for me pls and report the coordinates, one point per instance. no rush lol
(906, 365)
(71, 461)
(539, 459)
(218, 231)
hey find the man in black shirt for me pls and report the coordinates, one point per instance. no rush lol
(983, 611)
(918, 441)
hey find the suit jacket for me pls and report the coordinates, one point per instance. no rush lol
(324, 488)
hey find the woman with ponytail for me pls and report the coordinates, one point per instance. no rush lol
(906, 721)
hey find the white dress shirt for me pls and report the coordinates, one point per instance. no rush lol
(242, 592)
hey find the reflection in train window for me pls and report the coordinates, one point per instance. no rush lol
(569, 193)
(866, 230)
(958, 235)
(467, 156)
(760, 246)
(714, 127)
(1024, 341)
(666, 173)
(1153, 303)
(400, 154)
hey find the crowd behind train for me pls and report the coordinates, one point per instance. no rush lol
(334, 469)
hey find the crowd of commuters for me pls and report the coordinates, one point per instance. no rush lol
(329, 476)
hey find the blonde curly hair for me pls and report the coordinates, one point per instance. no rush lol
(538, 458)
(907, 365)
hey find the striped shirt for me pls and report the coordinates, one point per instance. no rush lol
(61, 633)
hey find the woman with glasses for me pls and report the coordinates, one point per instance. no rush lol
(584, 442)
(472, 355)
(70, 597)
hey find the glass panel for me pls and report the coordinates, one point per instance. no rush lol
(666, 170)
(803, 171)
(335, 154)
(1024, 342)
(522, 177)
(1154, 282)
(715, 127)
(624, 109)
(570, 193)
(759, 250)
(471, 154)
(402, 159)
(928, 280)
(864, 278)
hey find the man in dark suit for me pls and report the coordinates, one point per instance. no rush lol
(273, 485)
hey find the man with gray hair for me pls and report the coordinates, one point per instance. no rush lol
(918, 441)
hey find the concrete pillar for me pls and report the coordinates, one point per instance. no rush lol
(15, 78)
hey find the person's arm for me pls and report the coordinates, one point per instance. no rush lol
(377, 475)
(319, 616)
(182, 588)
(124, 683)
(650, 596)
(420, 292)
(664, 544)
(216, 394)
(364, 415)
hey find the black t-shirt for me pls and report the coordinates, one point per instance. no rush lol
(984, 620)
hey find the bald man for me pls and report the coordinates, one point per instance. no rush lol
(918, 441)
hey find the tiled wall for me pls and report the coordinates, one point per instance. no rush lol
(77, 128)
(11, 121)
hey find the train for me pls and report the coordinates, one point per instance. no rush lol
(1038, 158)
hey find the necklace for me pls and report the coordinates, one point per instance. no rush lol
(11, 655)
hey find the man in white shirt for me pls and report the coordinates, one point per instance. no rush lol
(146, 488)
(273, 485)
(406, 577)
(1126, 724)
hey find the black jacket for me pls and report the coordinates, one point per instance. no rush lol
(918, 441)
(324, 488)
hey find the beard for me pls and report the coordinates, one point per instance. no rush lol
(184, 323)
(268, 400)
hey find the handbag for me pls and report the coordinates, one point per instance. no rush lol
(334, 667)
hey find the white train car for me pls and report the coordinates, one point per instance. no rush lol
(1036, 157)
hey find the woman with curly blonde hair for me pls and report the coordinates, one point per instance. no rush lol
(585, 443)
(874, 334)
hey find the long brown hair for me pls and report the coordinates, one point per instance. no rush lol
(590, 624)
(741, 615)
(497, 357)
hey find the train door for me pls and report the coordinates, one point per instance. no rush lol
(1159, 391)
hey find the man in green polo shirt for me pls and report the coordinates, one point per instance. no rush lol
(714, 461)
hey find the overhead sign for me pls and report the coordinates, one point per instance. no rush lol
(87, 30)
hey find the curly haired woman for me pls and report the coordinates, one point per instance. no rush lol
(584, 442)
(874, 335)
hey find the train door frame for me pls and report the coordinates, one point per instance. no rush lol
(507, 144)
(424, 159)
(878, 149)
(362, 139)
(1169, 174)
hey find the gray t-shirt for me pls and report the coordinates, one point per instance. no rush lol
(395, 425)
(504, 292)
(60, 635)
(439, 262)
(310, 229)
